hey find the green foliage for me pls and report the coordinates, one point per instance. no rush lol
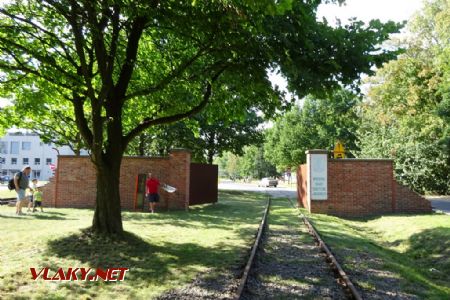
(317, 124)
(116, 68)
(401, 114)
(251, 164)
(254, 165)
(206, 139)
(149, 66)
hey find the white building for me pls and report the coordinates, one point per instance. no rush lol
(20, 148)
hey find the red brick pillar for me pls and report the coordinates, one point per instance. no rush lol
(394, 189)
(179, 175)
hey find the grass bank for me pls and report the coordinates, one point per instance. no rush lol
(392, 256)
(162, 250)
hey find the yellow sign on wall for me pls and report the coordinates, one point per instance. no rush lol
(339, 150)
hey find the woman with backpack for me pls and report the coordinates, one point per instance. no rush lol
(21, 183)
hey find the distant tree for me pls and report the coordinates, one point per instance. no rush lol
(229, 166)
(206, 139)
(317, 124)
(254, 165)
(406, 114)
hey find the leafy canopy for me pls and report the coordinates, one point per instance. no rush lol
(405, 116)
(132, 65)
(317, 124)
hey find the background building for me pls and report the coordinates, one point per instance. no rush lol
(19, 148)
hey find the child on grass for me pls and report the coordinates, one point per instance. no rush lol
(37, 199)
(32, 190)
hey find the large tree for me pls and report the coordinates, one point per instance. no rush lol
(125, 66)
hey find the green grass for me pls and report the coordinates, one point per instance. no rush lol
(7, 194)
(410, 251)
(162, 250)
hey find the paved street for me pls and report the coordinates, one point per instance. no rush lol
(438, 202)
(278, 192)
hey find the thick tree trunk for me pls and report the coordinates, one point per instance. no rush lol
(107, 216)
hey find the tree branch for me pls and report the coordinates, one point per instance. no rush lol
(79, 46)
(81, 121)
(45, 60)
(168, 79)
(169, 119)
(43, 30)
(130, 57)
(98, 41)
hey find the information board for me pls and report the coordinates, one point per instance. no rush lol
(318, 176)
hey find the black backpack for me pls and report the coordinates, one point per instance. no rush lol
(11, 185)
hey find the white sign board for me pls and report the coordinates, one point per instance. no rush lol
(318, 179)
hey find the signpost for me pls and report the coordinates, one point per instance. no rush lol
(339, 150)
(317, 176)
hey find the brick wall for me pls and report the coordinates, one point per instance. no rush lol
(74, 184)
(48, 192)
(358, 187)
(301, 186)
(410, 201)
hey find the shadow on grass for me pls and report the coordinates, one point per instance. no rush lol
(39, 216)
(248, 208)
(379, 271)
(146, 262)
(431, 248)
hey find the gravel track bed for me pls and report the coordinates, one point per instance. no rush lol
(290, 266)
(205, 286)
(371, 279)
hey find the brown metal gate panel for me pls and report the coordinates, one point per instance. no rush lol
(203, 184)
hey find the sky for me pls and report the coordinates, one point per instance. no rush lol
(365, 10)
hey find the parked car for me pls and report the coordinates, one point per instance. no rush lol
(267, 182)
(4, 178)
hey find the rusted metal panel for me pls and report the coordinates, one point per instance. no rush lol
(203, 184)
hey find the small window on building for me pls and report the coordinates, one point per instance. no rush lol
(14, 161)
(36, 174)
(4, 147)
(26, 161)
(14, 147)
(26, 145)
(37, 161)
(48, 161)
(2, 160)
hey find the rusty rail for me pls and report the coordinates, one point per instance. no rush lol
(335, 264)
(248, 266)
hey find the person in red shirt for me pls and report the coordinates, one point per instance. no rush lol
(151, 191)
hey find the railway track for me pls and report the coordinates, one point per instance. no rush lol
(284, 263)
(288, 264)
